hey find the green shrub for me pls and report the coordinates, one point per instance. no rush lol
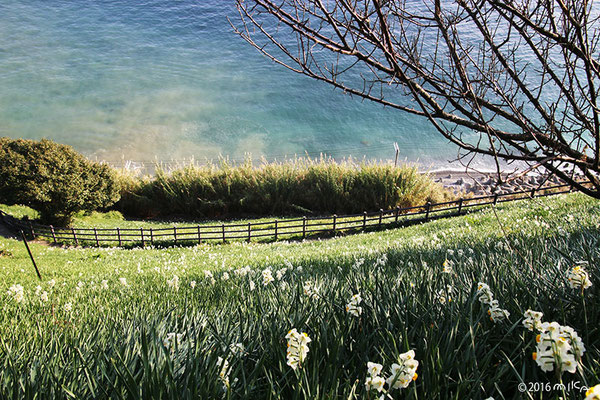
(53, 179)
(301, 186)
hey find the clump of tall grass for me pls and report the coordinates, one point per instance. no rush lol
(299, 186)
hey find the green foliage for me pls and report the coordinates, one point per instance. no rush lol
(302, 186)
(53, 179)
(111, 344)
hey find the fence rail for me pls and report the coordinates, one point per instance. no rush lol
(276, 229)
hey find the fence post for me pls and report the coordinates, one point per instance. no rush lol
(275, 229)
(380, 216)
(460, 204)
(96, 236)
(304, 227)
(175, 234)
(495, 198)
(53, 233)
(142, 236)
(364, 220)
(334, 223)
(119, 236)
(533, 193)
(249, 231)
(74, 236)
(31, 255)
(397, 213)
(223, 230)
(427, 209)
(199, 235)
(31, 230)
(151, 237)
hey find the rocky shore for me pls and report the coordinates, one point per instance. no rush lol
(481, 184)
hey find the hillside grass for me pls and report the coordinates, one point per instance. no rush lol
(112, 342)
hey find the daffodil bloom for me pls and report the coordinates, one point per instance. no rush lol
(280, 273)
(593, 393)
(267, 276)
(311, 290)
(484, 293)
(17, 293)
(172, 340)
(374, 369)
(403, 373)
(353, 306)
(533, 320)
(224, 371)
(558, 347)
(496, 313)
(375, 383)
(174, 283)
(579, 278)
(297, 348)
(68, 307)
(447, 267)
(123, 282)
(44, 296)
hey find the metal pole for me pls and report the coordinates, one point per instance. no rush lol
(31, 255)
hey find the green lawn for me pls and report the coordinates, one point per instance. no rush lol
(114, 341)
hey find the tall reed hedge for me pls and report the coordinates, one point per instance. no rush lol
(301, 186)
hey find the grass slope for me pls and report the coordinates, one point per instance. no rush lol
(114, 340)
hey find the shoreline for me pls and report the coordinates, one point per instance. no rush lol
(484, 183)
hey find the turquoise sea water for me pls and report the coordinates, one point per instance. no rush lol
(145, 80)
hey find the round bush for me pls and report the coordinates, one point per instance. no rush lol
(53, 179)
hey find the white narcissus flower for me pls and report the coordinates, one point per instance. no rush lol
(311, 290)
(558, 347)
(174, 283)
(374, 383)
(51, 283)
(533, 320)
(44, 296)
(374, 369)
(297, 348)
(484, 293)
(193, 284)
(267, 276)
(123, 281)
(68, 307)
(353, 306)
(104, 284)
(447, 267)
(225, 276)
(593, 393)
(17, 293)
(402, 374)
(579, 278)
(252, 285)
(496, 313)
(280, 273)
(173, 339)
(224, 371)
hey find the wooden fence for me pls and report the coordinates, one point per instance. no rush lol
(272, 230)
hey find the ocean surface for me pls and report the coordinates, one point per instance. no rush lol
(170, 80)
